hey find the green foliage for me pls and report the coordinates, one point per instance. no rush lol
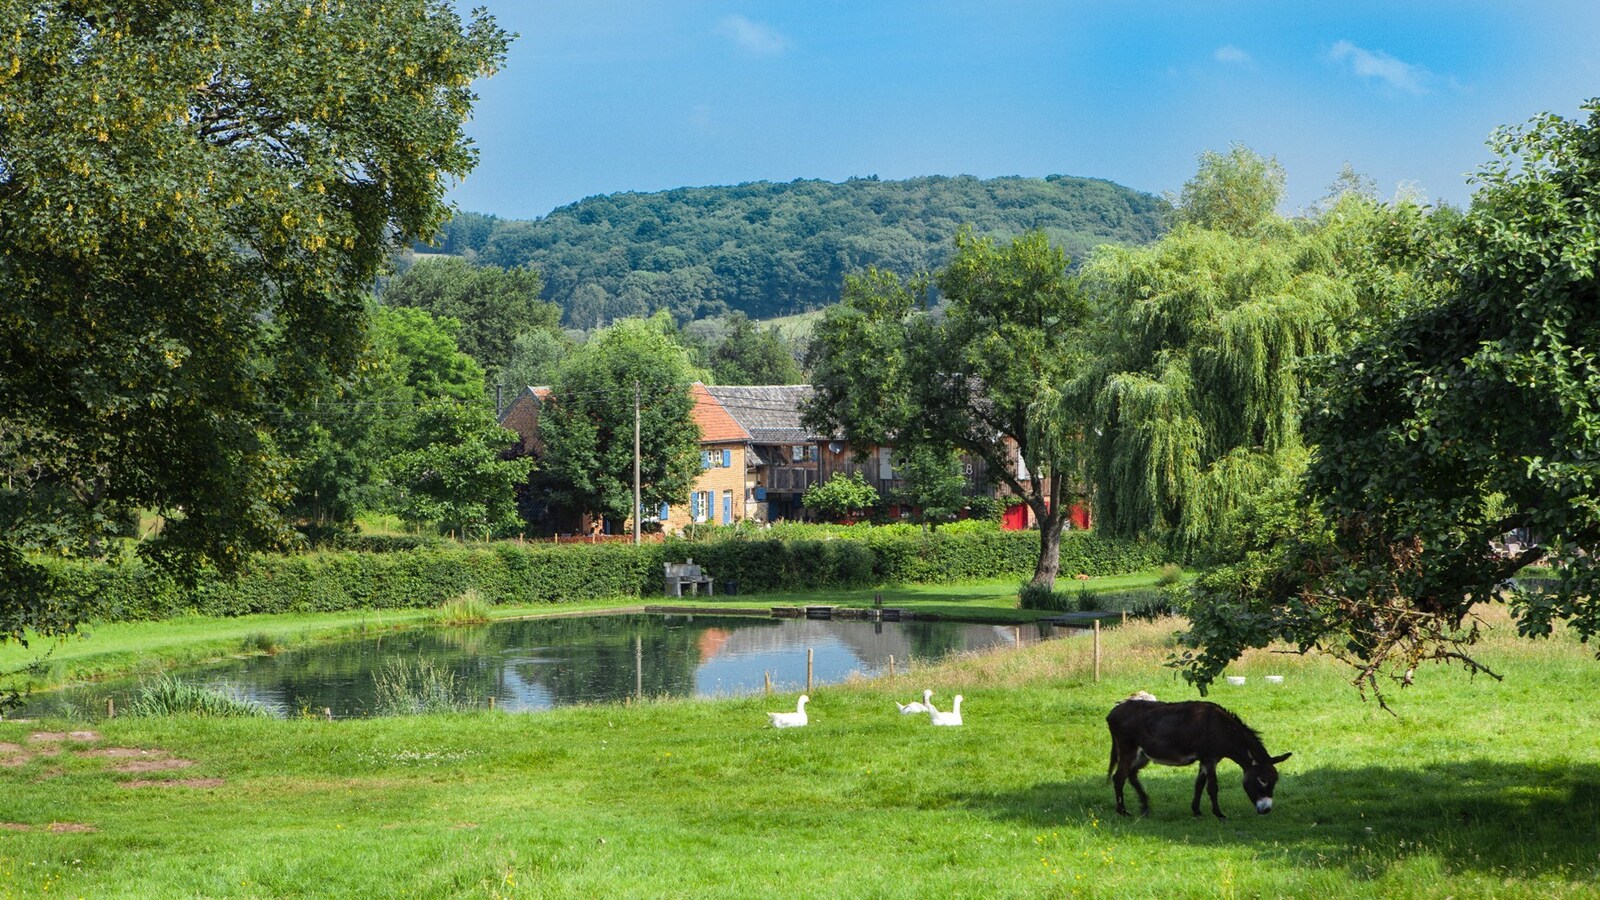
(494, 306)
(465, 608)
(932, 481)
(587, 423)
(772, 249)
(1033, 595)
(782, 558)
(260, 642)
(194, 200)
(455, 473)
(983, 377)
(751, 355)
(420, 686)
(1471, 413)
(842, 496)
(165, 695)
(1235, 193)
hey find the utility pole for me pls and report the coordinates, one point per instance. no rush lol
(636, 506)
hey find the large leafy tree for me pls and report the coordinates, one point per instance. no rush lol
(194, 199)
(984, 376)
(338, 444)
(457, 473)
(587, 423)
(494, 306)
(1474, 412)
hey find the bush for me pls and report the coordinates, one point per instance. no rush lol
(787, 557)
(1089, 601)
(1037, 596)
(1171, 574)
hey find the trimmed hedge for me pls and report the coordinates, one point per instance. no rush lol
(529, 574)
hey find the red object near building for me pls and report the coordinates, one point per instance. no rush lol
(1078, 516)
(1015, 518)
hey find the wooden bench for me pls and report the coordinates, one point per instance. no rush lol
(687, 573)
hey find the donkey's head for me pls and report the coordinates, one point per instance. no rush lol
(1260, 779)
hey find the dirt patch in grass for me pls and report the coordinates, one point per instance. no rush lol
(124, 753)
(8, 747)
(15, 826)
(174, 782)
(56, 737)
(13, 762)
(153, 765)
(69, 827)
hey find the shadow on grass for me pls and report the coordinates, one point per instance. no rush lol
(1508, 819)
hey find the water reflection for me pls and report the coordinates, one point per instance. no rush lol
(535, 664)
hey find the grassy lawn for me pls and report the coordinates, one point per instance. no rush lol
(1474, 789)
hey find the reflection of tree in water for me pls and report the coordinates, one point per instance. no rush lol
(588, 660)
(936, 640)
(549, 661)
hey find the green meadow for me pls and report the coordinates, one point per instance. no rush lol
(1470, 788)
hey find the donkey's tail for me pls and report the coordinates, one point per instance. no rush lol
(1112, 769)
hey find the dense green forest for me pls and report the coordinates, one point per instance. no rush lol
(773, 249)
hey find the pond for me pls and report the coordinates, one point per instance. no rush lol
(534, 664)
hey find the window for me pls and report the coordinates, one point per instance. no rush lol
(811, 452)
(885, 463)
(799, 453)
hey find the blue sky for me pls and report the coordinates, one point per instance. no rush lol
(600, 96)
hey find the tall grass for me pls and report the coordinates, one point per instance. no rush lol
(465, 608)
(165, 695)
(412, 687)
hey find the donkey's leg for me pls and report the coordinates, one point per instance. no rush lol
(1211, 788)
(1139, 762)
(1200, 780)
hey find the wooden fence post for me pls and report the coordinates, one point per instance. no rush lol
(809, 653)
(1096, 649)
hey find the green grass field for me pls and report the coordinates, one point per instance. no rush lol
(1474, 788)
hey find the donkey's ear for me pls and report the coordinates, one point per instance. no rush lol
(1278, 759)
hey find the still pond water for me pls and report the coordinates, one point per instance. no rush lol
(533, 664)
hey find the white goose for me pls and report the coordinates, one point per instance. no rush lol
(946, 718)
(915, 707)
(796, 719)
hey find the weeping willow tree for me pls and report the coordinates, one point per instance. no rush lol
(1198, 392)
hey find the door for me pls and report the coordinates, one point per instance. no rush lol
(727, 507)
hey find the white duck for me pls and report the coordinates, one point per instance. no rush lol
(914, 706)
(796, 719)
(946, 718)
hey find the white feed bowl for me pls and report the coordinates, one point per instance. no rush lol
(1236, 680)
(1274, 679)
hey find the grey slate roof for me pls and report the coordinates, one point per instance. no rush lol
(771, 413)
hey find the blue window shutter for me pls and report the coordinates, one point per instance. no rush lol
(705, 459)
(666, 512)
(694, 506)
(727, 458)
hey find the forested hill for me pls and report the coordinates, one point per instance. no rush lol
(774, 249)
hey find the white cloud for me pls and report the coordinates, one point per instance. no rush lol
(1412, 79)
(752, 37)
(1228, 53)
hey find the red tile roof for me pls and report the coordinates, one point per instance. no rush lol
(716, 426)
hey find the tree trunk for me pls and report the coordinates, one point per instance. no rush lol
(1050, 526)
